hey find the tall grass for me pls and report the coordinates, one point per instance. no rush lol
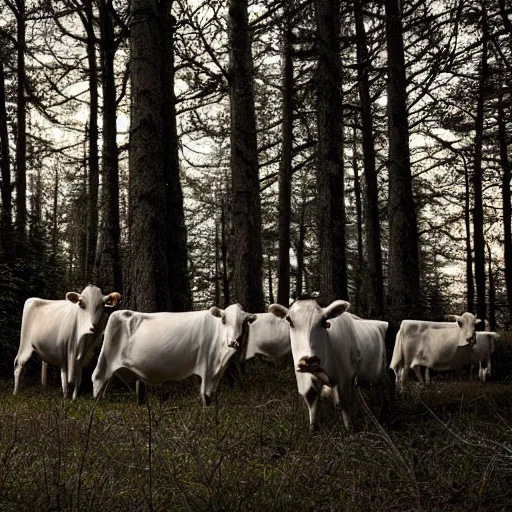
(447, 447)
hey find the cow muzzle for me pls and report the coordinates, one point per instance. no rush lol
(309, 364)
(234, 344)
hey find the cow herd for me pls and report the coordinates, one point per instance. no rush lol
(332, 349)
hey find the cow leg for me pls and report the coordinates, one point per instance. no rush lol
(427, 376)
(311, 399)
(140, 389)
(417, 371)
(19, 363)
(64, 382)
(44, 374)
(78, 381)
(404, 373)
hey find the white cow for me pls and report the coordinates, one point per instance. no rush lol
(481, 351)
(268, 336)
(371, 344)
(161, 347)
(436, 345)
(324, 349)
(63, 333)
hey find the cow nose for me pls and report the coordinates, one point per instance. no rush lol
(93, 328)
(309, 361)
(234, 344)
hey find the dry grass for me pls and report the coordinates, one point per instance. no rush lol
(444, 448)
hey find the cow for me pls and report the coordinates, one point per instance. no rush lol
(161, 347)
(268, 336)
(324, 350)
(436, 345)
(63, 333)
(372, 368)
(482, 351)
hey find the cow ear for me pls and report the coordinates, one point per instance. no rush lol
(479, 320)
(215, 311)
(251, 318)
(73, 297)
(278, 310)
(112, 299)
(336, 308)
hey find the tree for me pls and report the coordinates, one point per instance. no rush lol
(247, 251)
(148, 274)
(285, 172)
(403, 266)
(108, 258)
(374, 279)
(478, 213)
(177, 255)
(330, 171)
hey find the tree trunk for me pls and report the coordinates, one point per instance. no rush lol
(148, 278)
(507, 209)
(21, 145)
(359, 226)
(374, 278)
(55, 225)
(330, 172)
(244, 164)
(108, 258)
(92, 202)
(177, 253)
(224, 253)
(492, 292)
(300, 251)
(285, 172)
(5, 163)
(478, 210)
(270, 285)
(469, 252)
(217, 265)
(403, 268)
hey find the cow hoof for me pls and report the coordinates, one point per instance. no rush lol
(207, 400)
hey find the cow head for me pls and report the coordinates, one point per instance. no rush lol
(308, 331)
(234, 324)
(91, 314)
(467, 323)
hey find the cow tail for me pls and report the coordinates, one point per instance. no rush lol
(397, 352)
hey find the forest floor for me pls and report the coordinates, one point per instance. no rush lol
(446, 447)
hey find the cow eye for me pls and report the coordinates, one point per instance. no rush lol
(289, 320)
(223, 319)
(326, 324)
(81, 303)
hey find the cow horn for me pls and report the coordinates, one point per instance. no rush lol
(112, 299)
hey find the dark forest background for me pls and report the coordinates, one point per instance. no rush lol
(195, 153)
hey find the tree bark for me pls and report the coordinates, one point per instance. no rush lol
(330, 172)
(21, 145)
(374, 279)
(478, 210)
(403, 267)
(300, 251)
(507, 209)
(469, 251)
(492, 292)
(92, 197)
(5, 163)
(224, 253)
(358, 278)
(177, 253)
(285, 172)
(148, 278)
(108, 258)
(244, 163)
